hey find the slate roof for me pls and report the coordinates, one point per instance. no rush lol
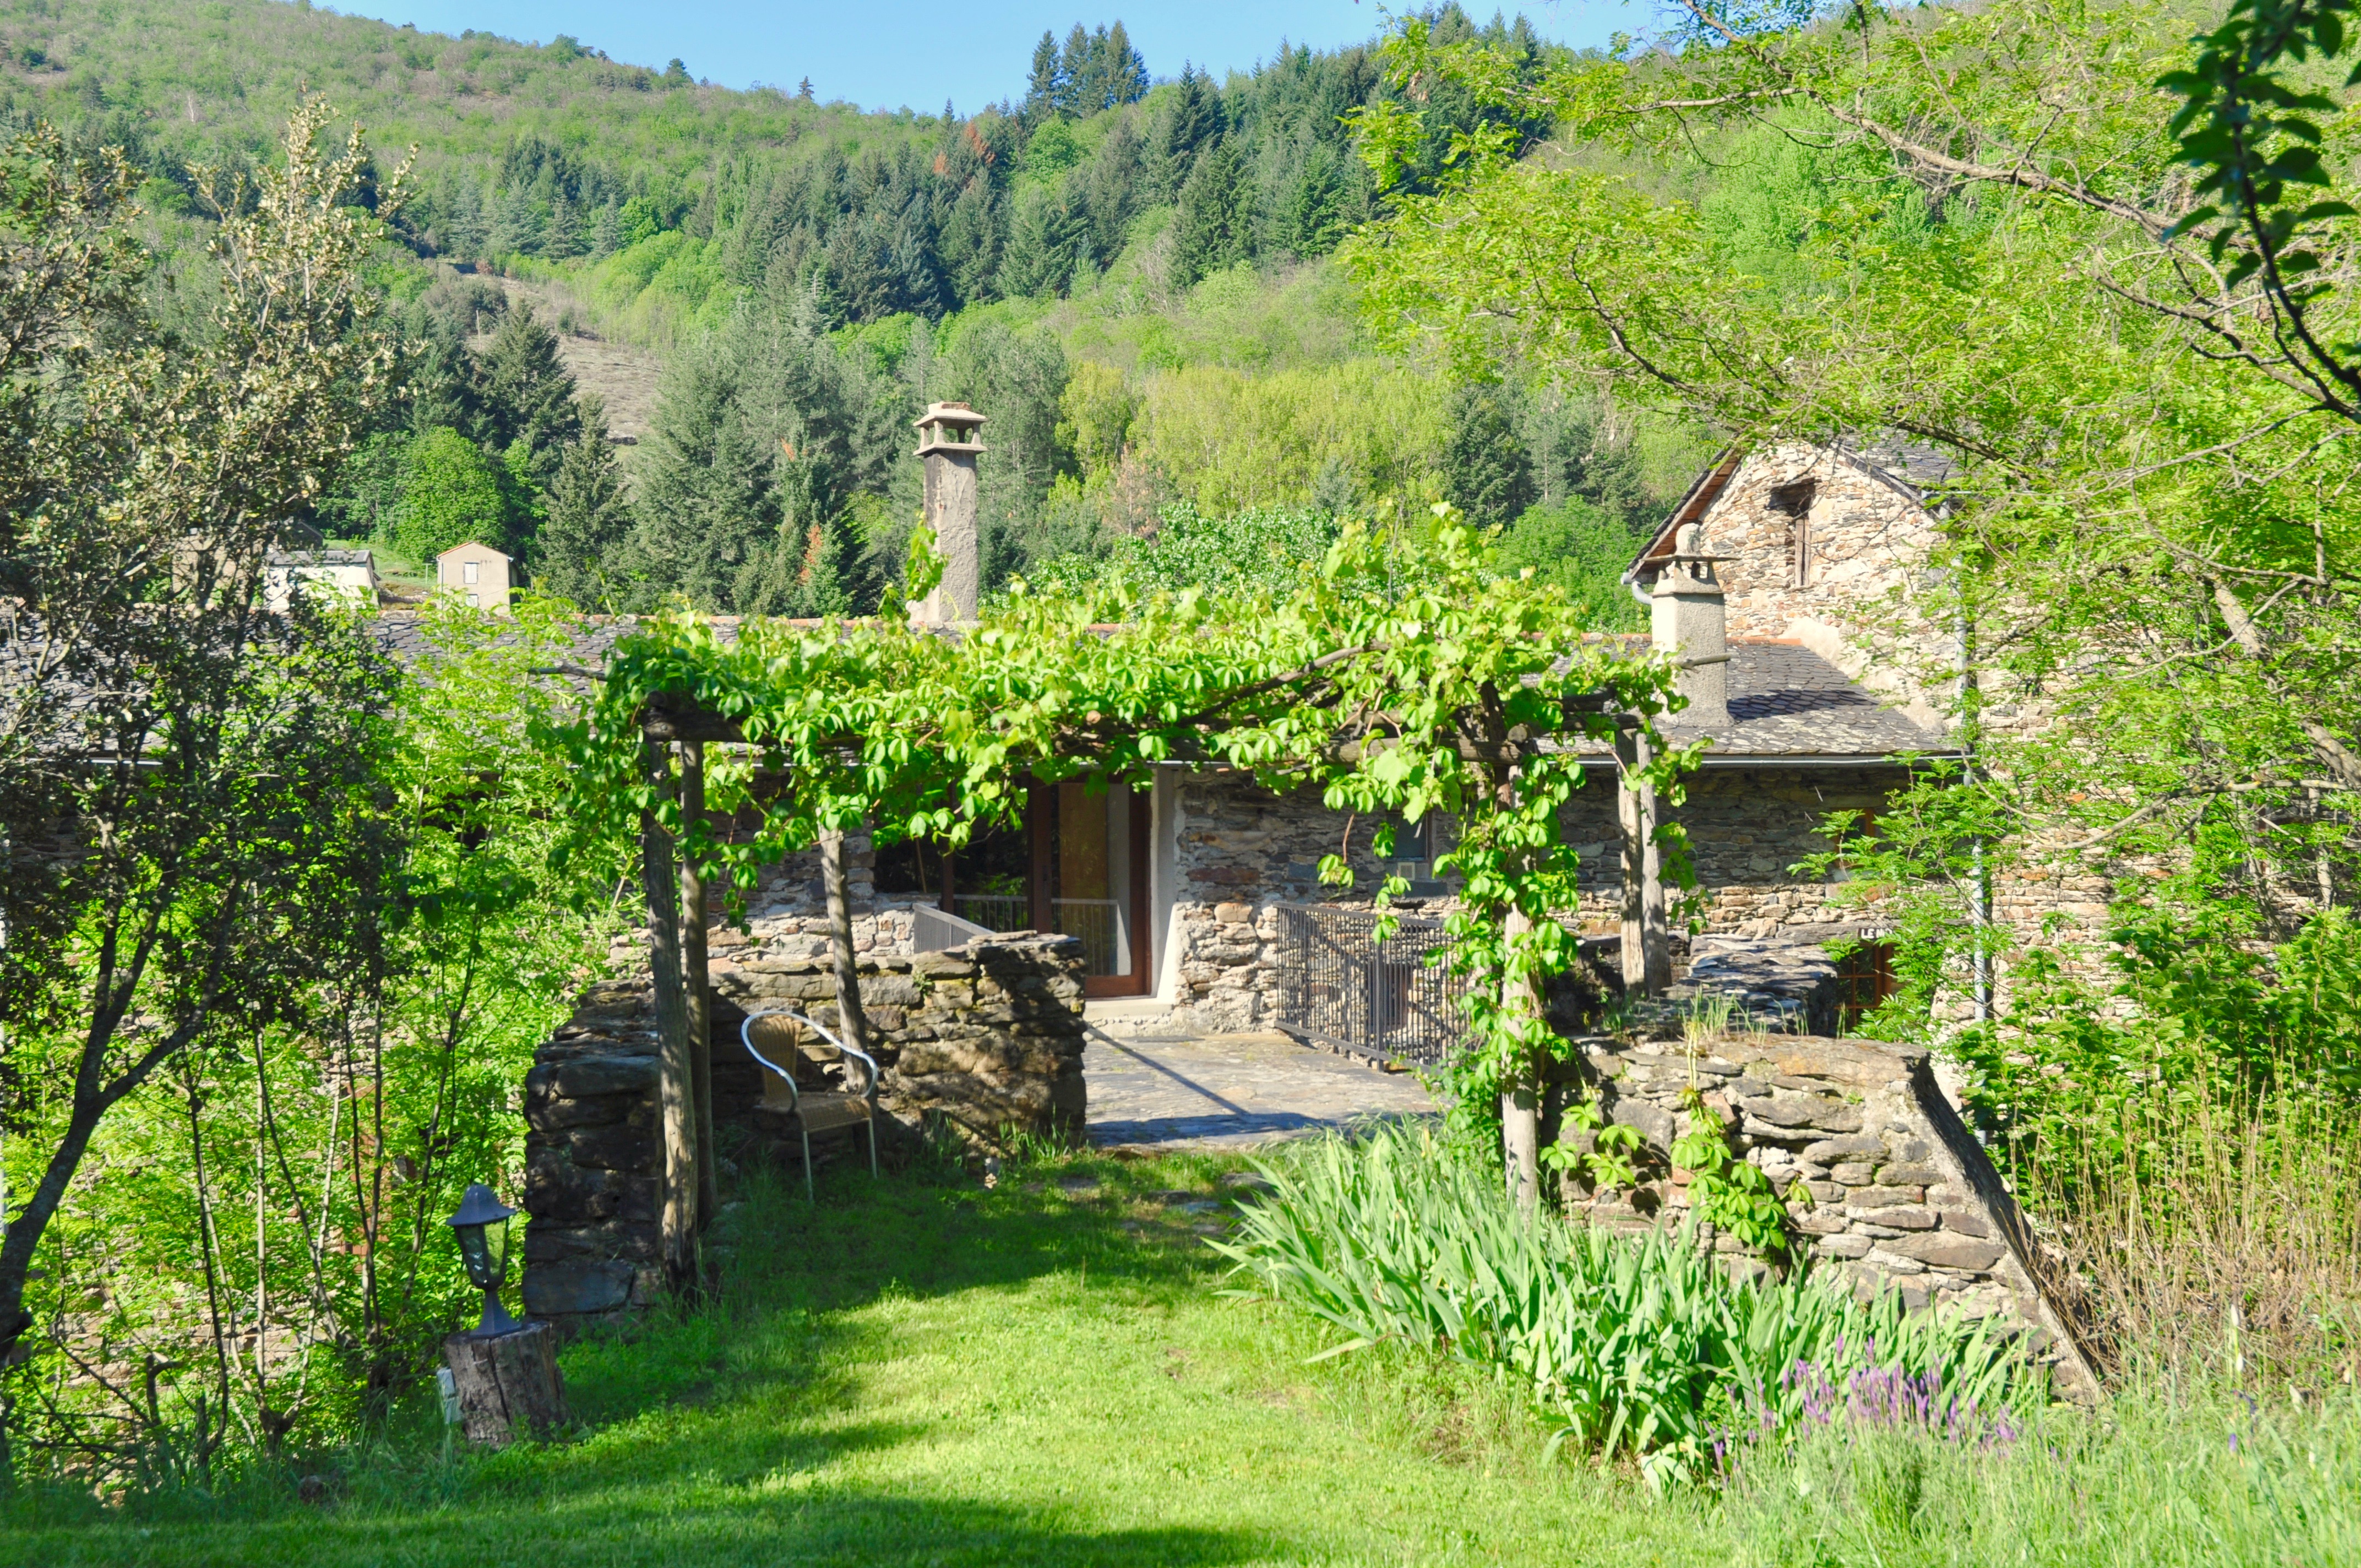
(1787, 703)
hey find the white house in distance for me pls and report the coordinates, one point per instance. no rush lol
(477, 571)
(344, 573)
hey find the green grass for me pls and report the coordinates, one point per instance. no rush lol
(931, 1373)
(920, 1372)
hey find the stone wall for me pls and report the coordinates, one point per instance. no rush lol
(1243, 851)
(978, 1040)
(1869, 539)
(1884, 1182)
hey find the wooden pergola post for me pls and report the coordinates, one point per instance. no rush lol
(833, 882)
(697, 982)
(675, 1075)
(1520, 1099)
(1647, 951)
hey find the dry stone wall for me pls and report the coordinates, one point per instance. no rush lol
(1243, 851)
(1884, 1182)
(978, 1040)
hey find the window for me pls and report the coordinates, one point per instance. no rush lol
(468, 575)
(1865, 980)
(474, 602)
(1794, 502)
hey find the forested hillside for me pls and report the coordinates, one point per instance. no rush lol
(1132, 278)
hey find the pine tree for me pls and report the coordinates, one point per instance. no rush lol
(802, 89)
(607, 233)
(1046, 84)
(1315, 211)
(1192, 119)
(1487, 471)
(516, 226)
(579, 553)
(1214, 226)
(1040, 256)
(1073, 71)
(525, 393)
(461, 231)
(1126, 69)
(563, 238)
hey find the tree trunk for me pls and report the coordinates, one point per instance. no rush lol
(676, 1084)
(1521, 1118)
(696, 983)
(1647, 952)
(853, 1022)
(509, 1385)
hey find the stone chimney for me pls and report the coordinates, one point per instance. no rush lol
(1688, 621)
(951, 438)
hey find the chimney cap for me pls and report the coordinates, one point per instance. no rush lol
(955, 414)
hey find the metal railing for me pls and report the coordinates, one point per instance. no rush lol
(1095, 920)
(1339, 987)
(994, 911)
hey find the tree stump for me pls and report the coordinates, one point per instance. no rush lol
(509, 1385)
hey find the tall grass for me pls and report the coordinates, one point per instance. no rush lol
(2157, 1477)
(1640, 1346)
(2227, 1248)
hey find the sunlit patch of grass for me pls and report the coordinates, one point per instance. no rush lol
(919, 1370)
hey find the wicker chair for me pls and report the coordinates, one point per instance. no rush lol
(814, 1111)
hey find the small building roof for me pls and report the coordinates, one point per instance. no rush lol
(472, 545)
(297, 559)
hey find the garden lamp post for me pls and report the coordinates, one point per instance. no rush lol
(477, 1211)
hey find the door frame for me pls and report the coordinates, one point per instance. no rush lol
(1041, 825)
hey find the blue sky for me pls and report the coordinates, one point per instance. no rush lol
(884, 56)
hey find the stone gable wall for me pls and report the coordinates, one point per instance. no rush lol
(1870, 541)
(978, 1040)
(1884, 1182)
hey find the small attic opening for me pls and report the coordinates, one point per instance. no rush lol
(1794, 502)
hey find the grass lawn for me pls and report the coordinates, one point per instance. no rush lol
(920, 1372)
(930, 1374)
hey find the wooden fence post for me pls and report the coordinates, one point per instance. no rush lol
(675, 1085)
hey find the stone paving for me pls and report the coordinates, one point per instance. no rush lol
(1231, 1090)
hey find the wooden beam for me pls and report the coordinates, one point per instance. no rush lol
(675, 1081)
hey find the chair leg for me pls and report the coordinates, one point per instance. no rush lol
(809, 1197)
(872, 1148)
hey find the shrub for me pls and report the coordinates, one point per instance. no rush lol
(1640, 1346)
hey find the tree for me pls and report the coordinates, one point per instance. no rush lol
(1213, 228)
(1192, 118)
(2150, 523)
(579, 554)
(451, 494)
(1486, 472)
(1045, 86)
(523, 392)
(186, 812)
(762, 433)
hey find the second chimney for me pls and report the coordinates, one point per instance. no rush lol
(951, 438)
(1689, 621)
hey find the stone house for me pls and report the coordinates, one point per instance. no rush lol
(1180, 890)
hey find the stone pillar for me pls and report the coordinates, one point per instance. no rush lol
(1688, 620)
(949, 441)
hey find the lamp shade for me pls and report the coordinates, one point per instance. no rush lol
(481, 1206)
